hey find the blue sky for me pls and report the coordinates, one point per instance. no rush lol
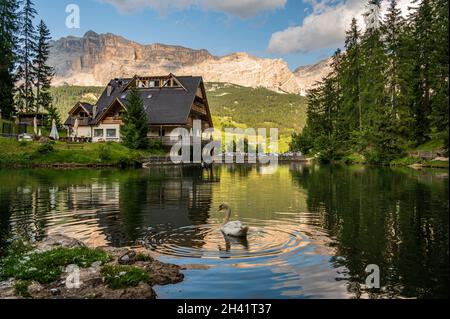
(298, 31)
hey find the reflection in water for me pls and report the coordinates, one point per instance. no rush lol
(313, 230)
(234, 241)
(396, 219)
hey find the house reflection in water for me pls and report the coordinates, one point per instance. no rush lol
(114, 207)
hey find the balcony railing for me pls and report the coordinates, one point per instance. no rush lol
(83, 122)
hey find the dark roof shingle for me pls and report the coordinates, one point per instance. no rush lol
(163, 105)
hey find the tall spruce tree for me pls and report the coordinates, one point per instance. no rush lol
(26, 55)
(351, 77)
(392, 28)
(373, 83)
(8, 40)
(440, 70)
(341, 131)
(397, 120)
(135, 129)
(42, 72)
(423, 46)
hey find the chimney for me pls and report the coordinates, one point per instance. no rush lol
(109, 90)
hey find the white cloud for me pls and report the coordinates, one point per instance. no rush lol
(240, 8)
(324, 27)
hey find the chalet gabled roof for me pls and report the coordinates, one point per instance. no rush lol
(89, 108)
(164, 106)
(86, 106)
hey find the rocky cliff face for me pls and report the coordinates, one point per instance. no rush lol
(308, 76)
(94, 59)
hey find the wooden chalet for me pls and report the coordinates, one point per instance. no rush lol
(170, 102)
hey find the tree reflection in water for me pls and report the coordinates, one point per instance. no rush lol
(394, 218)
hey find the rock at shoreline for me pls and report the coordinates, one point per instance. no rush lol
(92, 283)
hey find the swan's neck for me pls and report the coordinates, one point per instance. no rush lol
(227, 216)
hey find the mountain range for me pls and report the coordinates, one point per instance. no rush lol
(92, 60)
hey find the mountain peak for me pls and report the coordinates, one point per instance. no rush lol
(90, 34)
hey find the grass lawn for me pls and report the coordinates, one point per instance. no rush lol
(431, 146)
(34, 154)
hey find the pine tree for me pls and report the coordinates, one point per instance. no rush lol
(397, 121)
(26, 56)
(392, 27)
(373, 83)
(351, 77)
(42, 73)
(8, 39)
(341, 132)
(53, 114)
(423, 46)
(440, 70)
(135, 129)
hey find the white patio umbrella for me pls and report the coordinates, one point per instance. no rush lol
(75, 127)
(54, 133)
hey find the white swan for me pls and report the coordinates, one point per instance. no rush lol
(233, 229)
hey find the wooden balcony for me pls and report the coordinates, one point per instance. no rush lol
(83, 121)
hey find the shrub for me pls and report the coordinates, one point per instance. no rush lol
(105, 153)
(21, 288)
(45, 148)
(354, 159)
(302, 142)
(155, 144)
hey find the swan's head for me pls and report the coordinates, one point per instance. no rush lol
(224, 207)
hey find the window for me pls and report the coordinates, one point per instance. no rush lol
(111, 133)
(83, 115)
(98, 133)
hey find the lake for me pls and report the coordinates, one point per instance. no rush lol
(313, 229)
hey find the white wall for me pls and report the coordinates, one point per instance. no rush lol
(83, 131)
(105, 127)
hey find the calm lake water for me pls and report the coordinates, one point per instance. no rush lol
(313, 229)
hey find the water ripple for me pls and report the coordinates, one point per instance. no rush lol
(265, 238)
